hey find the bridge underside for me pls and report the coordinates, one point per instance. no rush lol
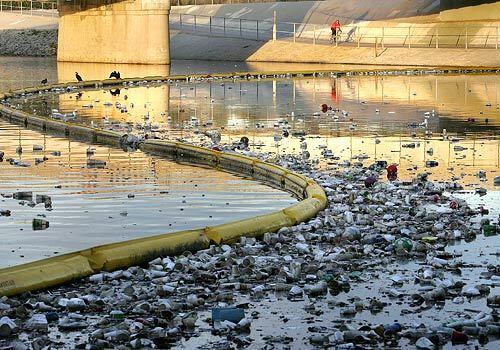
(130, 31)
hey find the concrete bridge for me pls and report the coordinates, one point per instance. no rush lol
(137, 31)
(114, 31)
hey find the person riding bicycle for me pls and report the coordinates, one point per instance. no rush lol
(335, 27)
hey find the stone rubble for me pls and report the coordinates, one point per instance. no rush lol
(28, 42)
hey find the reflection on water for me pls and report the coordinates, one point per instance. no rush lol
(381, 104)
(455, 98)
(400, 119)
(21, 72)
(397, 119)
(91, 206)
(98, 71)
(383, 118)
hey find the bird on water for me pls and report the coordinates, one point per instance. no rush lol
(78, 77)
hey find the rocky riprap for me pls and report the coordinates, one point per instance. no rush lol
(371, 270)
(28, 42)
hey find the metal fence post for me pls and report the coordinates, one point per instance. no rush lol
(241, 33)
(21, 7)
(359, 36)
(274, 25)
(314, 34)
(224, 19)
(437, 38)
(294, 33)
(210, 24)
(383, 36)
(257, 29)
(180, 20)
(195, 23)
(466, 37)
(409, 37)
(496, 42)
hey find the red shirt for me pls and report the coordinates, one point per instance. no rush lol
(335, 25)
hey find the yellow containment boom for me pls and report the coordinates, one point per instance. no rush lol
(64, 268)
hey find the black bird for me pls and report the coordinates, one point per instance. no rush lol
(78, 77)
(44, 81)
(115, 74)
(244, 141)
(115, 92)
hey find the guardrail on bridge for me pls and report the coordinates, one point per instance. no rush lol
(31, 8)
(399, 35)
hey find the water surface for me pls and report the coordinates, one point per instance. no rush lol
(133, 195)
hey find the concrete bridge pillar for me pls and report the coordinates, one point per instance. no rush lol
(113, 31)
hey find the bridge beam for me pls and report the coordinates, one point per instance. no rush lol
(114, 31)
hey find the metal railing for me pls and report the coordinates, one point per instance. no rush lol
(42, 7)
(379, 37)
(31, 8)
(352, 35)
(218, 2)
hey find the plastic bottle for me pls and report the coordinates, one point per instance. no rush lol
(403, 246)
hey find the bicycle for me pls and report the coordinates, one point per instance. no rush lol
(335, 38)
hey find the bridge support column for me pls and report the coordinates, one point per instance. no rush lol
(114, 31)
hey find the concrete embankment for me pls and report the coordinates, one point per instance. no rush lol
(190, 46)
(281, 51)
(317, 12)
(38, 37)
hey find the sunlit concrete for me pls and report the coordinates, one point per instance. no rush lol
(466, 10)
(121, 32)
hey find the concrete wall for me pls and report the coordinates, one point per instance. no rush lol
(324, 12)
(133, 31)
(454, 4)
(281, 51)
(319, 12)
(486, 11)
